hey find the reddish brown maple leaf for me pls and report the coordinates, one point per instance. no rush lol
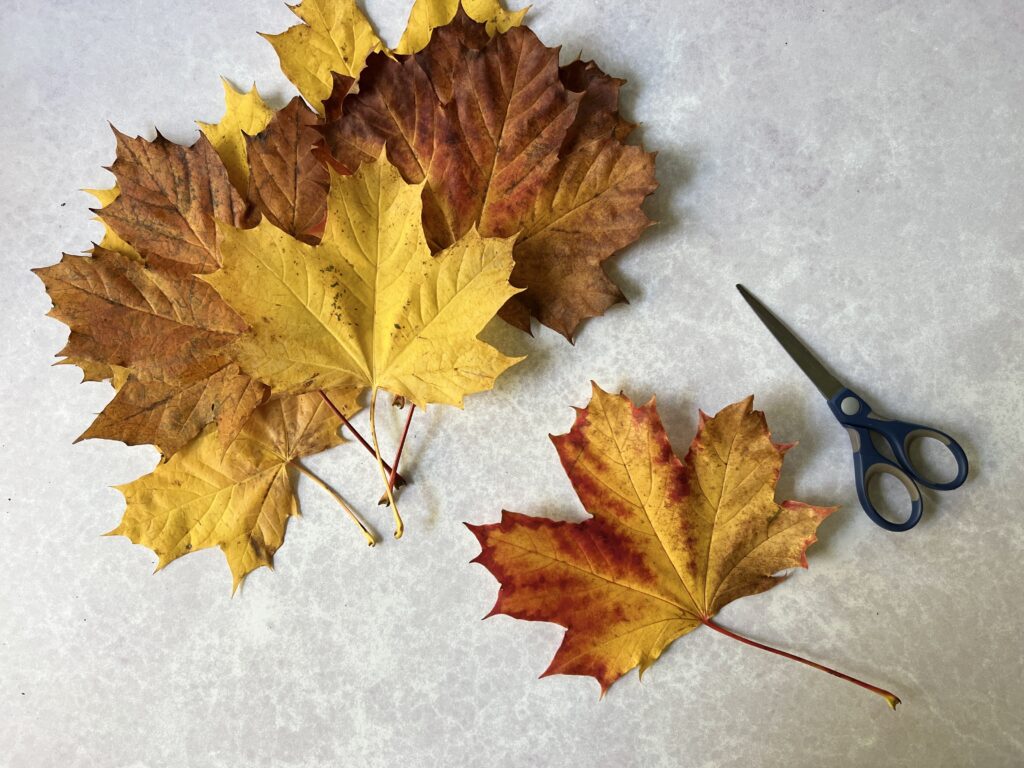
(670, 542)
(512, 144)
(286, 181)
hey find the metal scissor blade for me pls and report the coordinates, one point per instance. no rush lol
(826, 383)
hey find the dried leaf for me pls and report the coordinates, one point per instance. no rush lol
(508, 142)
(123, 313)
(111, 240)
(589, 209)
(369, 306)
(170, 200)
(238, 499)
(170, 415)
(335, 36)
(287, 183)
(669, 544)
(245, 114)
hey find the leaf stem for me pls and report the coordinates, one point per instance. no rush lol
(398, 457)
(890, 697)
(399, 526)
(401, 446)
(399, 480)
(337, 497)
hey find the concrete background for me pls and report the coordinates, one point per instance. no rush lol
(857, 164)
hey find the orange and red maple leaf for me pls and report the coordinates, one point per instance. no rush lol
(670, 542)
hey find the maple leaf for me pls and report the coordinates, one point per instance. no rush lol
(169, 415)
(508, 142)
(670, 542)
(245, 114)
(170, 198)
(287, 182)
(121, 312)
(162, 337)
(238, 499)
(369, 306)
(335, 37)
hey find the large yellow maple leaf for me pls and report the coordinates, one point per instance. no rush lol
(670, 542)
(240, 498)
(369, 306)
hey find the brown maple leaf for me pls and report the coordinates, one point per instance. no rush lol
(171, 198)
(510, 143)
(138, 307)
(670, 542)
(122, 312)
(171, 414)
(286, 181)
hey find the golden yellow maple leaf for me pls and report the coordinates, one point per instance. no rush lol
(427, 15)
(369, 306)
(239, 498)
(111, 240)
(335, 37)
(244, 113)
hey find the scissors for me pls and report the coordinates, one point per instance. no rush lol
(860, 420)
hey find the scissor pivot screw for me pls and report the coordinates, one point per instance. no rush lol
(850, 406)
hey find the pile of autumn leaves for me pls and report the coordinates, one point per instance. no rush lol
(251, 291)
(255, 286)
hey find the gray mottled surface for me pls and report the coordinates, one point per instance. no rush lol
(857, 164)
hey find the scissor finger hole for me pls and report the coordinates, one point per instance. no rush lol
(930, 457)
(891, 495)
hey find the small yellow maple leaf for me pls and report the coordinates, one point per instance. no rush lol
(244, 113)
(111, 240)
(238, 498)
(427, 15)
(369, 306)
(336, 37)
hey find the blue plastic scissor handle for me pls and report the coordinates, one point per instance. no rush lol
(854, 413)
